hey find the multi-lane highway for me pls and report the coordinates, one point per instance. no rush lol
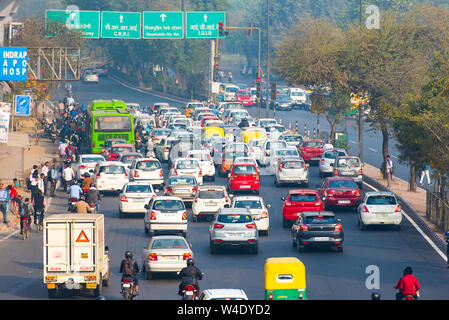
(329, 274)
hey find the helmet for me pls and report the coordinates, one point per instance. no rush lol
(86, 175)
(128, 255)
(92, 185)
(72, 183)
(190, 262)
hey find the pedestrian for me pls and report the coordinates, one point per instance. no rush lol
(68, 175)
(41, 183)
(25, 211)
(425, 168)
(39, 205)
(44, 171)
(4, 202)
(13, 196)
(34, 185)
(389, 167)
(53, 177)
(61, 150)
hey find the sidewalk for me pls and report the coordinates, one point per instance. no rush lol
(412, 202)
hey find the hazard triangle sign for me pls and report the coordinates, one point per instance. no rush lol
(82, 237)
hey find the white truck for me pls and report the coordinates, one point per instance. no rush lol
(298, 96)
(75, 256)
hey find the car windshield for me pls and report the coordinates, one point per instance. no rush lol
(287, 152)
(92, 159)
(283, 96)
(306, 197)
(342, 184)
(176, 181)
(276, 144)
(249, 204)
(141, 188)
(319, 219)
(234, 218)
(292, 138)
(231, 89)
(244, 93)
(348, 162)
(313, 144)
(381, 200)
(129, 158)
(112, 169)
(242, 170)
(187, 164)
(334, 154)
(121, 149)
(169, 244)
(148, 165)
(292, 165)
(169, 205)
(211, 194)
(298, 94)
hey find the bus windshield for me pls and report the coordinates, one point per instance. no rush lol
(113, 123)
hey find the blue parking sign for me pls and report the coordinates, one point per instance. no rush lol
(23, 105)
(13, 63)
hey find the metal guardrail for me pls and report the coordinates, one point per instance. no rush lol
(437, 211)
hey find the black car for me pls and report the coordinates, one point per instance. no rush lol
(282, 102)
(317, 228)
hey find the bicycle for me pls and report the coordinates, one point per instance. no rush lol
(25, 222)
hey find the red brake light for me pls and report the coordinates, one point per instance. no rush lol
(83, 167)
(124, 199)
(338, 227)
(168, 190)
(184, 215)
(264, 215)
(161, 173)
(152, 257)
(300, 296)
(360, 171)
(303, 227)
(186, 256)
(270, 296)
(365, 209)
(251, 226)
(153, 215)
(398, 209)
(136, 174)
(218, 226)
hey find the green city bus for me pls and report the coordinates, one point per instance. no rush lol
(108, 123)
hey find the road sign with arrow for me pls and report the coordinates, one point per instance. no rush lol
(163, 25)
(204, 24)
(121, 25)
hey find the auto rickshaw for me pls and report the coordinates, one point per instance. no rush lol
(213, 131)
(252, 133)
(285, 279)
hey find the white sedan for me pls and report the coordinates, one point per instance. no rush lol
(258, 209)
(379, 208)
(134, 197)
(206, 162)
(184, 166)
(86, 163)
(165, 254)
(208, 200)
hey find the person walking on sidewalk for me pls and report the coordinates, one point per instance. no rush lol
(53, 176)
(389, 169)
(425, 169)
(4, 202)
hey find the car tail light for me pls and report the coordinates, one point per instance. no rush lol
(152, 257)
(398, 209)
(83, 167)
(317, 203)
(194, 189)
(330, 193)
(196, 199)
(136, 174)
(161, 173)
(175, 172)
(360, 171)
(93, 144)
(98, 175)
(287, 203)
(103, 150)
(153, 215)
(335, 171)
(303, 227)
(338, 227)
(251, 226)
(201, 172)
(184, 215)
(218, 226)
(365, 209)
(300, 296)
(124, 199)
(186, 256)
(264, 215)
(168, 190)
(126, 175)
(357, 192)
(322, 160)
(270, 296)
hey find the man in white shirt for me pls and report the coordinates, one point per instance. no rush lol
(41, 183)
(44, 171)
(68, 175)
(389, 169)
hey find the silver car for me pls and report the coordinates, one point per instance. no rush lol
(349, 167)
(234, 228)
(292, 171)
(326, 164)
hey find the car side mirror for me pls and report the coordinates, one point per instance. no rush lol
(283, 198)
(106, 250)
(338, 220)
(268, 206)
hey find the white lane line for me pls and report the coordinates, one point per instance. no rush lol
(371, 149)
(143, 91)
(432, 244)
(353, 142)
(394, 157)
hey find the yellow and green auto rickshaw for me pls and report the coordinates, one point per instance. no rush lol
(213, 131)
(285, 279)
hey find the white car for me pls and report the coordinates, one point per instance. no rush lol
(223, 294)
(292, 171)
(86, 163)
(165, 254)
(147, 169)
(264, 122)
(258, 210)
(134, 197)
(165, 214)
(206, 162)
(184, 166)
(255, 148)
(237, 146)
(268, 148)
(208, 200)
(249, 160)
(277, 154)
(110, 176)
(379, 208)
(327, 161)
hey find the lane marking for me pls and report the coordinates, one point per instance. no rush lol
(371, 149)
(353, 142)
(432, 244)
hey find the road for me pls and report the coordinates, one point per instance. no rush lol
(329, 274)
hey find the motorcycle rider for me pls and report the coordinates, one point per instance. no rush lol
(129, 268)
(407, 285)
(87, 181)
(190, 272)
(244, 123)
(75, 191)
(93, 196)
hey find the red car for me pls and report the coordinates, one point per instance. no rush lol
(245, 97)
(243, 177)
(312, 150)
(339, 192)
(116, 149)
(297, 201)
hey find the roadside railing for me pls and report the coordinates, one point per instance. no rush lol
(437, 211)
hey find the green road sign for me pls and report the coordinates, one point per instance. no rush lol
(88, 22)
(163, 25)
(204, 24)
(121, 25)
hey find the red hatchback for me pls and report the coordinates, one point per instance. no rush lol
(298, 201)
(245, 97)
(312, 150)
(116, 149)
(243, 177)
(339, 192)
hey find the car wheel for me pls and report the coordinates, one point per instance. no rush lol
(267, 232)
(213, 250)
(398, 227)
(148, 275)
(151, 234)
(362, 225)
(299, 248)
(194, 218)
(146, 229)
(284, 223)
(121, 214)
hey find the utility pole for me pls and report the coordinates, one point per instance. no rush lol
(268, 56)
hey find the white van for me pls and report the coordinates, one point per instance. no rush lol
(230, 92)
(298, 95)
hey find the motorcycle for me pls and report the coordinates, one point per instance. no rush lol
(72, 204)
(189, 293)
(128, 289)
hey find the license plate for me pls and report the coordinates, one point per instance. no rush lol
(245, 187)
(347, 173)
(321, 238)
(235, 235)
(91, 285)
(126, 285)
(316, 158)
(344, 201)
(210, 204)
(189, 293)
(169, 258)
(182, 191)
(139, 200)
